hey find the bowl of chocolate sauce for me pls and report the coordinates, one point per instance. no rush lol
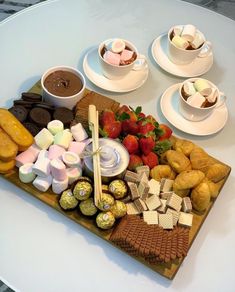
(63, 86)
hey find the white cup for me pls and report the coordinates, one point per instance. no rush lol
(194, 113)
(182, 56)
(116, 71)
(63, 101)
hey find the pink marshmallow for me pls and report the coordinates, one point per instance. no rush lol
(112, 58)
(58, 169)
(126, 55)
(77, 147)
(55, 151)
(28, 156)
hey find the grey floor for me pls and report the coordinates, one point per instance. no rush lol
(7, 8)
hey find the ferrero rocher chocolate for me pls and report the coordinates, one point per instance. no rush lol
(118, 188)
(118, 209)
(88, 207)
(106, 202)
(105, 220)
(67, 200)
(82, 190)
(105, 188)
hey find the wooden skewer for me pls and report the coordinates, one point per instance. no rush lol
(94, 127)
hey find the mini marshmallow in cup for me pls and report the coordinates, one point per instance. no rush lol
(189, 32)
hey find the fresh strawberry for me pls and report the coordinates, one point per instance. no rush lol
(111, 130)
(166, 132)
(146, 144)
(107, 116)
(151, 159)
(134, 162)
(123, 109)
(151, 119)
(131, 144)
(141, 116)
(130, 127)
(133, 116)
(146, 129)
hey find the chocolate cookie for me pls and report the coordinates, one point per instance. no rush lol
(63, 114)
(32, 128)
(40, 116)
(19, 112)
(45, 105)
(24, 103)
(30, 96)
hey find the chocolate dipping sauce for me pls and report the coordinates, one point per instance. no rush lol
(63, 83)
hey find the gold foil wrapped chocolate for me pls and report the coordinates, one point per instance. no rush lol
(118, 188)
(118, 209)
(67, 200)
(88, 207)
(82, 190)
(106, 202)
(105, 220)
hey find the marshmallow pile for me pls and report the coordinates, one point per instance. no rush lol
(187, 37)
(199, 93)
(54, 158)
(117, 54)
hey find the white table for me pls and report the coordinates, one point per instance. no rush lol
(41, 250)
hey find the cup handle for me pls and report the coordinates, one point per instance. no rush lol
(206, 50)
(140, 63)
(222, 100)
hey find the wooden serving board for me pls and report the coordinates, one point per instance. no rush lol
(168, 270)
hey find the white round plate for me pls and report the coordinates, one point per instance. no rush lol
(93, 71)
(211, 125)
(198, 67)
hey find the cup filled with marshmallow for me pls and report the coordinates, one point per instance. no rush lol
(118, 57)
(199, 98)
(185, 43)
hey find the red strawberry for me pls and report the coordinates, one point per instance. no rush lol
(151, 119)
(166, 132)
(134, 162)
(111, 130)
(146, 128)
(146, 144)
(107, 116)
(130, 127)
(133, 116)
(123, 109)
(141, 116)
(151, 159)
(131, 144)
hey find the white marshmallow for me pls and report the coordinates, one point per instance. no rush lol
(55, 126)
(26, 174)
(117, 46)
(177, 30)
(71, 159)
(198, 41)
(196, 100)
(201, 84)
(63, 138)
(189, 32)
(44, 139)
(42, 167)
(58, 169)
(179, 42)
(73, 174)
(79, 132)
(43, 154)
(58, 186)
(212, 97)
(189, 89)
(42, 183)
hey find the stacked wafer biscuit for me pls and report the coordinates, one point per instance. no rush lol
(151, 242)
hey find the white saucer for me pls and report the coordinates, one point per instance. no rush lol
(198, 67)
(93, 71)
(212, 124)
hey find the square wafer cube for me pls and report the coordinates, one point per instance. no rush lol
(166, 185)
(186, 219)
(131, 176)
(144, 178)
(154, 187)
(175, 215)
(153, 202)
(131, 209)
(162, 208)
(143, 169)
(150, 217)
(165, 221)
(166, 195)
(140, 205)
(186, 205)
(143, 189)
(134, 193)
(174, 202)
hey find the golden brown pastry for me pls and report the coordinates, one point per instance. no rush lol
(184, 146)
(6, 166)
(213, 187)
(162, 159)
(181, 193)
(178, 161)
(8, 148)
(162, 171)
(200, 197)
(216, 172)
(200, 159)
(188, 179)
(173, 140)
